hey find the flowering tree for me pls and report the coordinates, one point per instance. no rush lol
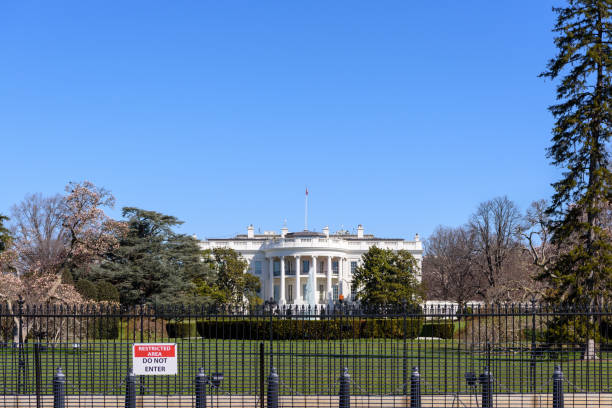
(90, 233)
(54, 234)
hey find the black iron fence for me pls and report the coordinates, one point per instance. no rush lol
(485, 356)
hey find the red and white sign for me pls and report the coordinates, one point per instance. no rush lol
(154, 359)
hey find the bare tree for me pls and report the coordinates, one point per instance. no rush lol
(496, 228)
(448, 266)
(39, 238)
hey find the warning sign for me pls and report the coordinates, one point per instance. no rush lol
(154, 359)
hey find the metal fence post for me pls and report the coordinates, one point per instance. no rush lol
(37, 374)
(130, 390)
(21, 373)
(345, 389)
(261, 374)
(59, 389)
(200, 388)
(486, 380)
(273, 387)
(415, 388)
(557, 388)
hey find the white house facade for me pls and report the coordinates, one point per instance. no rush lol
(285, 262)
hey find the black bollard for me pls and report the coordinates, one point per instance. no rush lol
(486, 380)
(59, 389)
(415, 388)
(273, 387)
(201, 380)
(345, 389)
(130, 390)
(557, 388)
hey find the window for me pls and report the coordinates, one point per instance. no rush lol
(321, 294)
(290, 293)
(335, 267)
(303, 290)
(276, 268)
(276, 292)
(353, 267)
(322, 267)
(335, 289)
(305, 267)
(289, 268)
(258, 267)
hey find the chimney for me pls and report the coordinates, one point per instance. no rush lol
(360, 231)
(284, 231)
(326, 231)
(250, 231)
(416, 238)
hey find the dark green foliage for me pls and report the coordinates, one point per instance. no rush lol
(103, 328)
(230, 284)
(575, 329)
(387, 277)
(87, 289)
(581, 209)
(327, 329)
(5, 235)
(444, 329)
(181, 329)
(153, 264)
(106, 292)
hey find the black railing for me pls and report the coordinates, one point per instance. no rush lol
(477, 355)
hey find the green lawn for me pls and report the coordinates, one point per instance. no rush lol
(377, 366)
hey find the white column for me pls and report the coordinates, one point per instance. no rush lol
(330, 293)
(282, 282)
(313, 271)
(342, 278)
(271, 277)
(298, 286)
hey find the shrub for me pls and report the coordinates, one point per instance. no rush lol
(181, 329)
(438, 328)
(86, 288)
(324, 329)
(103, 328)
(106, 292)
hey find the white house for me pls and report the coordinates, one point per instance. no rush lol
(284, 262)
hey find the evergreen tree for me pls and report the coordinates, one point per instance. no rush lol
(386, 277)
(153, 264)
(581, 203)
(5, 235)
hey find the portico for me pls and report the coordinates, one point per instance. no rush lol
(289, 274)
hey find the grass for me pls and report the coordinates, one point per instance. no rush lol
(305, 367)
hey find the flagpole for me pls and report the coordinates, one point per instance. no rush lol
(306, 211)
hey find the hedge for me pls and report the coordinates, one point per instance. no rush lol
(440, 329)
(181, 329)
(296, 329)
(103, 328)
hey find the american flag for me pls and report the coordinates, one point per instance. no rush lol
(306, 190)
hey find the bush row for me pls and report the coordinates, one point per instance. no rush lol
(311, 329)
(441, 329)
(325, 329)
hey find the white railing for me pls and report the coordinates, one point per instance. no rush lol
(322, 243)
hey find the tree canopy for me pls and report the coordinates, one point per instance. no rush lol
(230, 285)
(580, 145)
(5, 235)
(153, 264)
(387, 277)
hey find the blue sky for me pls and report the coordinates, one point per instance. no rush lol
(398, 115)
